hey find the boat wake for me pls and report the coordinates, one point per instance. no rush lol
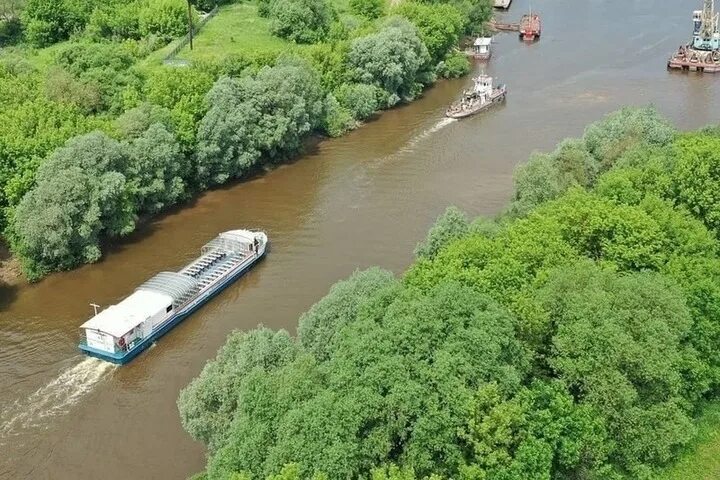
(435, 128)
(53, 399)
(410, 145)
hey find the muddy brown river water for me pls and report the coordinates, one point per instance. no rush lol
(361, 200)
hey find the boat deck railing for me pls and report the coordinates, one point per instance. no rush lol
(212, 266)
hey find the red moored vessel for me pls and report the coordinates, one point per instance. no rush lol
(530, 27)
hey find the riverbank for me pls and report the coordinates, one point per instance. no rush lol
(197, 127)
(530, 308)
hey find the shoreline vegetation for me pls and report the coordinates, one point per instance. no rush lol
(573, 336)
(95, 132)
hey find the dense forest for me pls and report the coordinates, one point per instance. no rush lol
(573, 336)
(97, 133)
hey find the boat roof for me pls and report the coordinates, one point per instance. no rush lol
(482, 41)
(117, 320)
(175, 285)
(232, 241)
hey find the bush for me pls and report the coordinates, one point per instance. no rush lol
(81, 196)
(165, 18)
(449, 226)
(359, 99)
(368, 8)
(301, 21)
(394, 59)
(117, 21)
(268, 114)
(103, 67)
(338, 119)
(455, 65)
(440, 26)
(10, 31)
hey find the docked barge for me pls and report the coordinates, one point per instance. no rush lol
(702, 54)
(121, 332)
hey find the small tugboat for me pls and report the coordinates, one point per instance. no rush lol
(530, 27)
(120, 332)
(482, 96)
(481, 48)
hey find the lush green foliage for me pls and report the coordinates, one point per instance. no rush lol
(575, 337)
(440, 25)
(265, 116)
(368, 8)
(394, 59)
(302, 21)
(180, 130)
(455, 65)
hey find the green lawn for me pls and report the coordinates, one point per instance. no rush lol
(236, 29)
(701, 461)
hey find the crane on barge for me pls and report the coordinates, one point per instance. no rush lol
(703, 53)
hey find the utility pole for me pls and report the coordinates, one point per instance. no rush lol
(190, 26)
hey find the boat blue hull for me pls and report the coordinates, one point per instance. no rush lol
(125, 357)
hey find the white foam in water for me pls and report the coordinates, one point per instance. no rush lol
(438, 126)
(421, 136)
(53, 399)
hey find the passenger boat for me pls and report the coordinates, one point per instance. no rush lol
(482, 96)
(120, 332)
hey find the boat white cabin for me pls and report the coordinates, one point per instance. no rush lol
(481, 47)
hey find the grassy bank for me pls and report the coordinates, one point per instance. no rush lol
(701, 459)
(236, 30)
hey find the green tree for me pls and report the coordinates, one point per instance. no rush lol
(394, 59)
(546, 176)
(440, 26)
(620, 345)
(81, 196)
(157, 170)
(536, 432)
(319, 327)
(394, 389)
(268, 115)
(697, 176)
(182, 91)
(368, 8)
(165, 18)
(208, 405)
(609, 138)
(449, 226)
(359, 99)
(301, 21)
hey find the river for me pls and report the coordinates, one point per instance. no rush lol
(361, 200)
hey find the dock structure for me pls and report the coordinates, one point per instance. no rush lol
(504, 4)
(503, 27)
(702, 54)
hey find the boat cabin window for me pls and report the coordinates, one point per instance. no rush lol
(168, 308)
